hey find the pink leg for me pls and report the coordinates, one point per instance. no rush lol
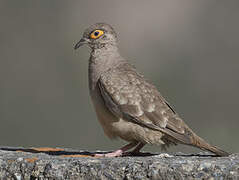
(118, 152)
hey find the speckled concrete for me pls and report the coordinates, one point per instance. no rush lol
(20, 163)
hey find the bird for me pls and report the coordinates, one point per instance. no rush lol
(127, 105)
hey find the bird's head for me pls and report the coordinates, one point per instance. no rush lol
(97, 36)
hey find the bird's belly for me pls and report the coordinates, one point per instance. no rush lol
(130, 131)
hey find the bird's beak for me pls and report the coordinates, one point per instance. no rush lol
(80, 43)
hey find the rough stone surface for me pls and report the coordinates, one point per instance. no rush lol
(21, 163)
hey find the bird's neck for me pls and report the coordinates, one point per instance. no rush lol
(101, 60)
(103, 52)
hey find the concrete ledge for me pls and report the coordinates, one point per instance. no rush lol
(48, 163)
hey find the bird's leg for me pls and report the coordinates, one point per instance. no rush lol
(118, 152)
(137, 149)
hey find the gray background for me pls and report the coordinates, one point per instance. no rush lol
(188, 49)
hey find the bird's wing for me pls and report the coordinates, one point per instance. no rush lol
(128, 95)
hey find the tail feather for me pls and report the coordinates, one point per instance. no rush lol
(190, 138)
(202, 144)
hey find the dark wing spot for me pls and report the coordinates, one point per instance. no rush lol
(170, 107)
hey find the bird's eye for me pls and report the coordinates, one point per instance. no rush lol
(96, 34)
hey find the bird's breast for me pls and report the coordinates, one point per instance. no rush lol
(105, 117)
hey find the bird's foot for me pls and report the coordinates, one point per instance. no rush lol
(116, 153)
(122, 151)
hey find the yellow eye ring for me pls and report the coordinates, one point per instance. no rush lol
(96, 34)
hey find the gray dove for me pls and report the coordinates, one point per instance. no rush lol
(127, 105)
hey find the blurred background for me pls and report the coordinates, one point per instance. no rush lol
(188, 49)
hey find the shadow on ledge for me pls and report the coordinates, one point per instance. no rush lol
(63, 152)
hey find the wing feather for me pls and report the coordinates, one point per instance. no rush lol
(128, 95)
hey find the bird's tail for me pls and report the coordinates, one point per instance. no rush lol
(202, 144)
